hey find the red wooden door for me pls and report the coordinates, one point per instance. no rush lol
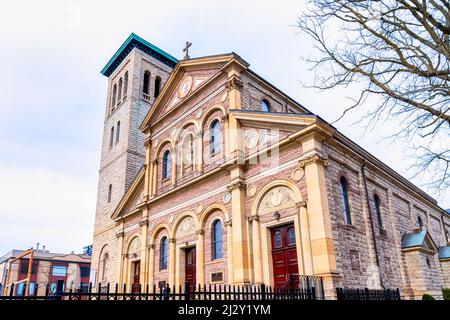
(284, 255)
(136, 276)
(190, 266)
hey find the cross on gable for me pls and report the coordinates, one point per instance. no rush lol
(186, 50)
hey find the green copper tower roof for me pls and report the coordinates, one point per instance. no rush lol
(134, 41)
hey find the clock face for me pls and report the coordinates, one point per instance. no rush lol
(185, 87)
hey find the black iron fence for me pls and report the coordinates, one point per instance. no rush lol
(186, 292)
(367, 294)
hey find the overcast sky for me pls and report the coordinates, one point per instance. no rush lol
(52, 96)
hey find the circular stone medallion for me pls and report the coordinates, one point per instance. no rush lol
(224, 97)
(251, 191)
(227, 197)
(297, 174)
(199, 113)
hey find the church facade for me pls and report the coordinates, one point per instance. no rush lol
(211, 175)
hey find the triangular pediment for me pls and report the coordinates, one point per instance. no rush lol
(187, 80)
(132, 198)
(419, 240)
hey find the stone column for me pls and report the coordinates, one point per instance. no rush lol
(322, 244)
(256, 245)
(172, 246)
(240, 237)
(200, 259)
(228, 224)
(305, 239)
(143, 276)
(151, 265)
(120, 236)
(148, 169)
(154, 177)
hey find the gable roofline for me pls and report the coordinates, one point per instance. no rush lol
(176, 75)
(134, 41)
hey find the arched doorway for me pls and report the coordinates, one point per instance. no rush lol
(284, 256)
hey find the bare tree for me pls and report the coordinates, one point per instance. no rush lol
(398, 51)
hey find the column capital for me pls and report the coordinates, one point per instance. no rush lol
(200, 232)
(172, 240)
(120, 234)
(316, 157)
(236, 185)
(148, 143)
(301, 204)
(228, 223)
(155, 162)
(253, 218)
(151, 246)
(143, 222)
(234, 83)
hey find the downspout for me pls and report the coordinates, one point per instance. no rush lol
(371, 223)
(445, 229)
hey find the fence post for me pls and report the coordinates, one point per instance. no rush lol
(366, 294)
(263, 291)
(11, 290)
(186, 291)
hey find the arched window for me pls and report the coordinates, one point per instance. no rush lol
(217, 240)
(376, 199)
(265, 105)
(105, 265)
(345, 202)
(215, 137)
(111, 137)
(118, 131)
(157, 86)
(163, 253)
(114, 95)
(146, 87)
(419, 220)
(119, 93)
(109, 193)
(125, 84)
(188, 150)
(166, 164)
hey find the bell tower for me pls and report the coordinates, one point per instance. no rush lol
(136, 74)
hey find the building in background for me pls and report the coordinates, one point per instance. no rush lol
(59, 271)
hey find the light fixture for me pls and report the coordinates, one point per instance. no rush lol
(276, 215)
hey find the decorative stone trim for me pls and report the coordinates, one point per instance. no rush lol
(200, 232)
(234, 83)
(313, 159)
(228, 223)
(155, 161)
(172, 240)
(151, 246)
(148, 143)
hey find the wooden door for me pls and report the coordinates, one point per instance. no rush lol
(136, 276)
(190, 266)
(284, 256)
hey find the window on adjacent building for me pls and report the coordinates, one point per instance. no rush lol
(146, 85)
(157, 86)
(85, 272)
(265, 105)
(166, 164)
(163, 253)
(215, 137)
(217, 239)
(109, 193)
(119, 93)
(59, 271)
(345, 202)
(118, 131)
(111, 138)
(125, 84)
(376, 200)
